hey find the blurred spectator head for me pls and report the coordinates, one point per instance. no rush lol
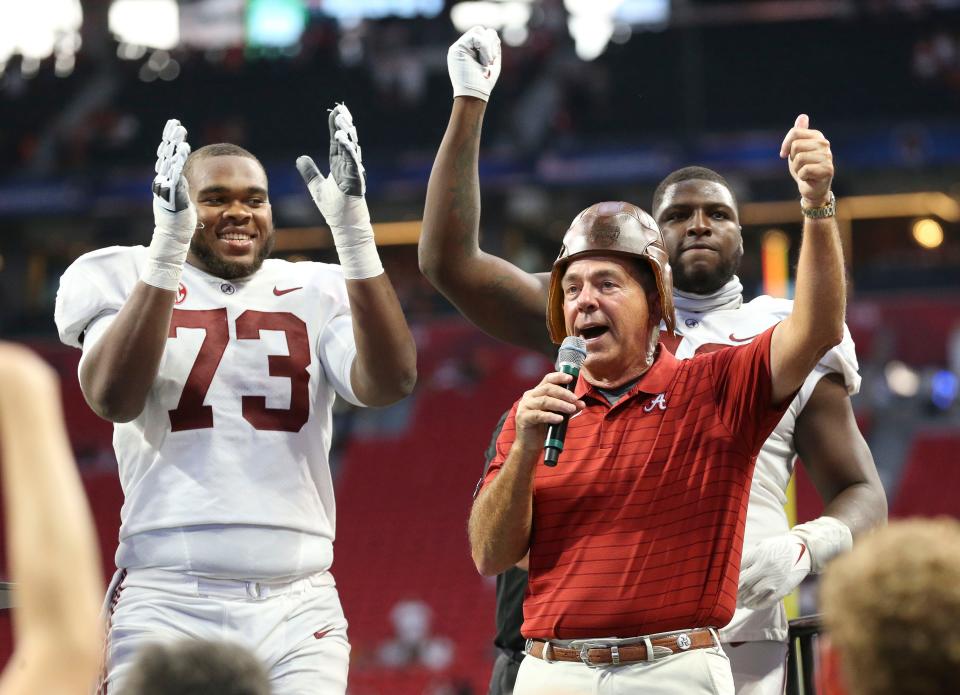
(196, 667)
(411, 620)
(891, 610)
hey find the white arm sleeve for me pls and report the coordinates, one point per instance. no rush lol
(337, 353)
(336, 345)
(842, 360)
(95, 285)
(92, 335)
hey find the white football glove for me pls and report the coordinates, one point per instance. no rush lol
(771, 569)
(175, 218)
(474, 63)
(774, 567)
(339, 197)
(826, 537)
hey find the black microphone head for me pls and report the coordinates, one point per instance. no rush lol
(573, 350)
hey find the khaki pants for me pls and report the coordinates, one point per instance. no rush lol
(759, 668)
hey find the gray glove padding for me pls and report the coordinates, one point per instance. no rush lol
(346, 164)
(169, 186)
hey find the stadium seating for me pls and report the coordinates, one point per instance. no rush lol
(931, 478)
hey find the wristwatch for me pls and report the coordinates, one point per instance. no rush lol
(819, 213)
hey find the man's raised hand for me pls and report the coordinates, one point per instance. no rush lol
(169, 185)
(810, 161)
(340, 197)
(174, 216)
(346, 162)
(473, 62)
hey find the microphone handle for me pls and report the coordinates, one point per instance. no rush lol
(553, 444)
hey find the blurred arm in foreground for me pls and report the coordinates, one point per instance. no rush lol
(51, 546)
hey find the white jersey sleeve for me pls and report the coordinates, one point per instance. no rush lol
(841, 359)
(96, 285)
(336, 345)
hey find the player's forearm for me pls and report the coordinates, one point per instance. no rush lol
(479, 284)
(816, 323)
(385, 369)
(860, 502)
(120, 370)
(449, 239)
(51, 545)
(820, 298)
(861, 507)
(500, 521)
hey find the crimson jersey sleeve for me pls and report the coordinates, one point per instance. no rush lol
(744, 389)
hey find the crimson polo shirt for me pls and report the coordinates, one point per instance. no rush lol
(639, 528)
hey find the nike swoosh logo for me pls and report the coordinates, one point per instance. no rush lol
(319, 634)
(803, 549)
(742, 340)
(280, 293)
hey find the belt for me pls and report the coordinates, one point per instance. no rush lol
(181, 583)
(616, 652)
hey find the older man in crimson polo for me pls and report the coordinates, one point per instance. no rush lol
(634, 539)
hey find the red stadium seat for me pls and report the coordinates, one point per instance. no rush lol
(931, 478)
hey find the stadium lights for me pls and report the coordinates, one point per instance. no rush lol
(351, 12)
(160, 65)
(509, 18)
(944, 387)
(149, 23)
(38, 29)
(901, 379)
(275, 23)
(774, 261)
(928, 233)
(591, 24)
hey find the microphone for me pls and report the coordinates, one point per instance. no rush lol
(573, 351)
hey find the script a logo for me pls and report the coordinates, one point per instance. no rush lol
(659, 402)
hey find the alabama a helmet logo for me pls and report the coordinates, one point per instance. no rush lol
(659, 402)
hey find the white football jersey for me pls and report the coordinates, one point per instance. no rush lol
(765, 513)
(225, 472)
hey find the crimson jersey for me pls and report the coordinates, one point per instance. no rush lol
(639, 528)
(225, 470)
